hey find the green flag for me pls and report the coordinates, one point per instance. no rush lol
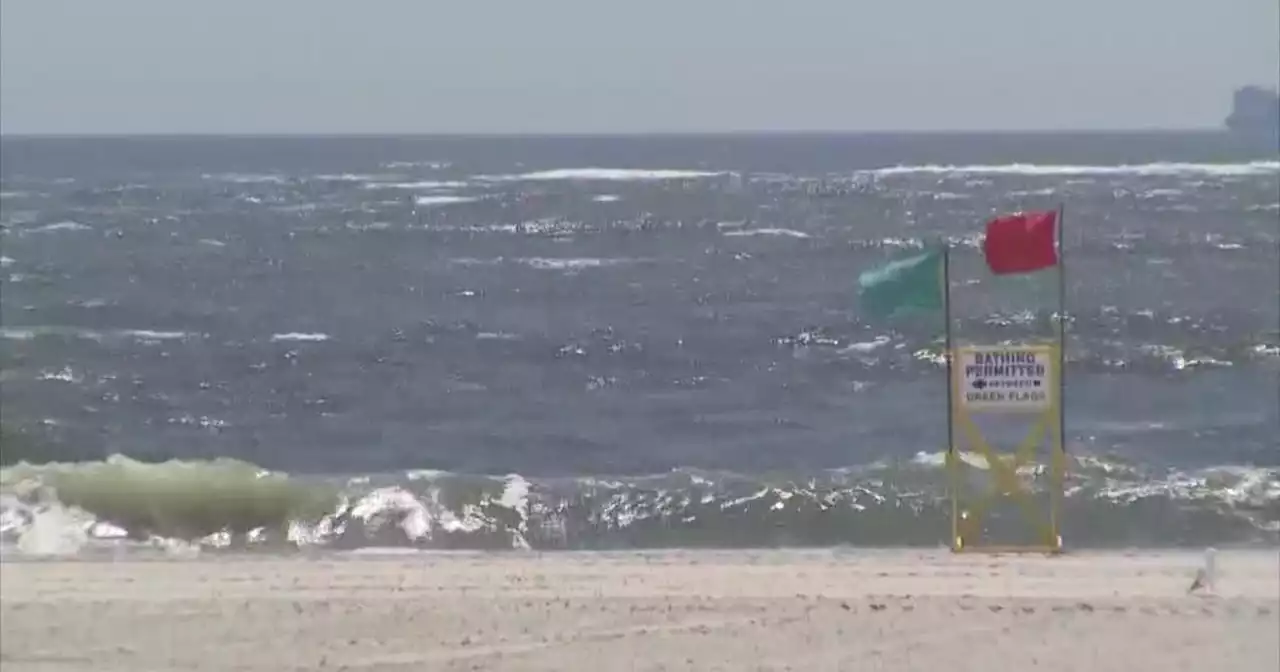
(908, 284)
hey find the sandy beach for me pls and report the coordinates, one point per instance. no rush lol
(683, 610)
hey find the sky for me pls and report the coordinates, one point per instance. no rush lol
(604, 66)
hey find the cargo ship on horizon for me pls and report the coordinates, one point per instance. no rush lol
(1255, 112)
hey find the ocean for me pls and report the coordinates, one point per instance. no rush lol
(615, 342)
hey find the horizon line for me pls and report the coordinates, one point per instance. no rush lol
(480, 135)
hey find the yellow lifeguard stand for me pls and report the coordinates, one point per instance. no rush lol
(1011, 380)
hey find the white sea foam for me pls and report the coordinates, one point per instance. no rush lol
(429, 201)
(53, 530)
(790, 233)
(17, 334)
(599, 174)
(478, 228)
(371, 226)
(63, 375)
(145, 335)
(425, 185)
(606, 198)
(1160, 193)
(866, 346)
(6, 261)
(59, 226)
(433, 165)
(313, 337)
(496, 336)
(545, 263)
(356, 177)
(245, 178)
(1031, 169)
(515, 497)
(569, 264)
(150, 335)
(1267, 350)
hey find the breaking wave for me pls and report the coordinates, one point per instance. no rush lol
(1160, 169)
(599, 174)
(119, 502)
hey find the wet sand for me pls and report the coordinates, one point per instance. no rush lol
(734, 611)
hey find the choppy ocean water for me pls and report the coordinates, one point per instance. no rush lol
(611, 342)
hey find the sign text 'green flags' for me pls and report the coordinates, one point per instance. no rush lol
(909, 284)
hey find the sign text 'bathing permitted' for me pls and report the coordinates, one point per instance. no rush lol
(1013, 378)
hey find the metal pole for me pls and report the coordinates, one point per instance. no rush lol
(947, 354)
(1062, 332)
(946, 315)
(1059, 458)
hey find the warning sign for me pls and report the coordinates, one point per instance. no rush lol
(1013, 378)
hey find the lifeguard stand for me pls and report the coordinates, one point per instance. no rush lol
(1007, 382)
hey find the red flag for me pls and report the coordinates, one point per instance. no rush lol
(1021, 243)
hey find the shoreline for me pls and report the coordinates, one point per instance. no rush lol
(819, 609)
(196, 552)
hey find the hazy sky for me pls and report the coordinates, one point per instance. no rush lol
(382, 66)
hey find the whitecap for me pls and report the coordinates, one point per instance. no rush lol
(1267, 350)
(426, 185)
(371, 226)
(149, 335)
(354, 177)
(299, 336)
(428, 201)
(1163, 168)
(53, 530)
(59, 226)
(17, 334)
(433, 165)
(1160, 193)
(934, 358)
(245, 178)
(29, 332)
(546, 263)
(790, 233)
(496, 336)
(64, 375)
(898, 242)
(515, 497)
(600, 174)
(866, 346)
(606, 198)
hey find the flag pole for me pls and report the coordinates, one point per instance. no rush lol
(1059, 458)
(947, 355)
(946, 315)
(1062, 332)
